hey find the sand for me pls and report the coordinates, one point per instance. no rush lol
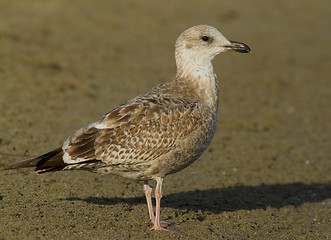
(266, 174)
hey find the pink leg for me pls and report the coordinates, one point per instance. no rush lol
(148, 191)
(158, 196)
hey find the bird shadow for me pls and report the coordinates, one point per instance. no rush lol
(218, 200)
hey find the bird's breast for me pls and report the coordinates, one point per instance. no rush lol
(189, 148)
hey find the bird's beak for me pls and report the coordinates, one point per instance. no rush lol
(238, 47)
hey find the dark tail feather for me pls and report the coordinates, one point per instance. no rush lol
(49, 162)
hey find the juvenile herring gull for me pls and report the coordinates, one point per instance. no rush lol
(157, 133)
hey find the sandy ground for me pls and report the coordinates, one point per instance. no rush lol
(266, 175)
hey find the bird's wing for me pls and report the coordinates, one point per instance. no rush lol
(134, 133)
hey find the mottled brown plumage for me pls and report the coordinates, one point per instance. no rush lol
(157, 133)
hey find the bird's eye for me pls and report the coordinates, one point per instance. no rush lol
(205, 38)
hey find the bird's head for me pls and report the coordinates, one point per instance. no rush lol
(205, 42)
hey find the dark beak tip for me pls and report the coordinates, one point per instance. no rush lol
(239, 47)
(248, 49)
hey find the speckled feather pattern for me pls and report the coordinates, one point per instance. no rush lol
(154, 134)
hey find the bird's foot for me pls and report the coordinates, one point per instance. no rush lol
(165, 226)
(159, 227)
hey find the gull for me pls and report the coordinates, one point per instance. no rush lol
(157, 133)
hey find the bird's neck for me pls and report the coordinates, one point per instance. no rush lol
(200, 75)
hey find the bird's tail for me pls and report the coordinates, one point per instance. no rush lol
(48, 162)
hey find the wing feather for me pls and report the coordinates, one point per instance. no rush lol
(133, 133)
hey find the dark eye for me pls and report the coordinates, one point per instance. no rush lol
(205, 38)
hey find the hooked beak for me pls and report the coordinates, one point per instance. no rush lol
(238, 47)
